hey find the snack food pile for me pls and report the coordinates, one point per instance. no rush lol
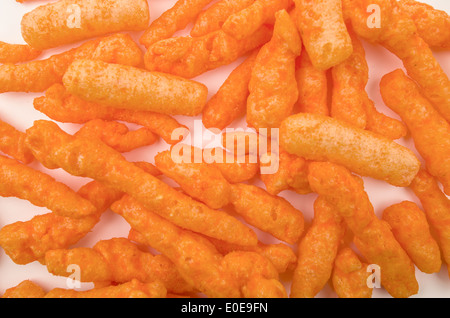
(224, 230)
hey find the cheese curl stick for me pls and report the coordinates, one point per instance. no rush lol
(26, 289)
(322, 138)
(372, 236)
(12, 143)
(429, 130)
(172, 20)
(324, 32)
(69, 21)
(37, 76)
(16, 53)
(273, 88)
(128, 87)
(96, 160)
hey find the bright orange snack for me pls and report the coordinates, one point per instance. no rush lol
(117, 135)
(61, 106)
(271, 214)
(245, 22)
(317, 251)
(350, 275)
(429, 130)
(437, 208)
(117, 260)
(91, 158)
(12, 143)
(37, 76)
(235, 169)
(26, 289)
(230, 101)
(410, 227)
(122, 86)
(212, 18)
(16, 53)
(189, 57)
(273, 88)
(323, 31)
(21, 181)
(432, 25)
(172, 20)
(372, 236)
(70, 21)
(321, 138)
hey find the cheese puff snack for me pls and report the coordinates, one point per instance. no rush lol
(321, 138)
(410, 227)
(122, 86)
(317, 251)
(132, 289)
(172, 20)
(37, 76)
(116, 135)
(212, 18)
(432, 25)
(64, 107)
(437, 209)
(235, 169)
(312, 87)
(230, 101)
(117, 260)
(324, 32)
(26, 289)
(271, 214)
(350, 275)
(92, 158)
(57, 23)
(21, 181)
(200, 180)
(17, 53)
(189, 57)
(429, 130)
(273, 88)
(12, 143)
(244, 23)
(372, 237)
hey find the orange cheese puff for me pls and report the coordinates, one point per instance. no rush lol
(273, 88)
(96, 160)
(26, 242)
(69, 21)
(372, 237)
(410, 227)
(61, 106)
(189, 57)
(12, 143)
(21, 181)
(432, 25)
(176, 18)
(292, 174)
(122, 86)
(322, 138)
(350, 276)
(26, 289)
(37, 76)
(429, 130)
(16, 53)
(230, 101)
(324, 32)
(312, 87)
(116, 135)
(132, 289)
(201, 181)
(317, 251)
(244, 23)
(236, 169)
(271, 214)
(437, 208)
(117, 260)
(212, 18)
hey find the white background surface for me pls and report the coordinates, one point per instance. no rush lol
(17, 109)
